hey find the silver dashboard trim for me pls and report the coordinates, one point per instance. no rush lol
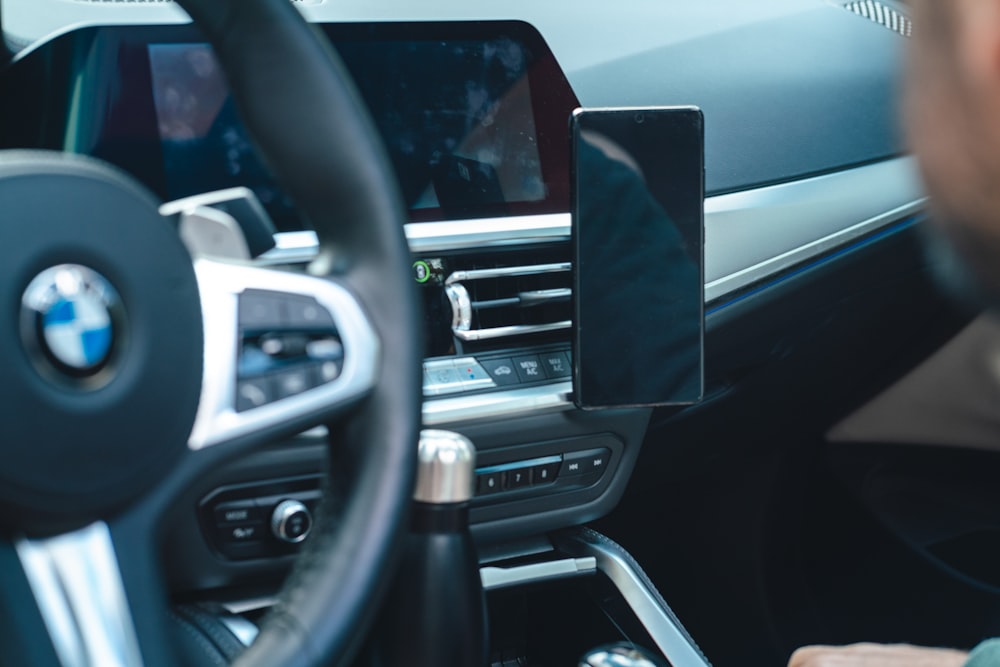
(487, 232)
(424, 237)
(754, 234)
(507, 271)
(80, 594)
(498, 405)
(763, 270)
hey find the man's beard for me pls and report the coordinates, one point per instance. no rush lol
(965, 262)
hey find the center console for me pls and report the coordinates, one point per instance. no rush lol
(474, 118)
(550, 602)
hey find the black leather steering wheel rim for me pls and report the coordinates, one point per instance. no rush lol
(297, 101)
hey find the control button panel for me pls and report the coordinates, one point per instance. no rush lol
(465, 374)
(572, 469)
(590, 462)
(556, 365)
(288, 345)
(502, 371)
(529, 368)
(451, 376)
(260, 520)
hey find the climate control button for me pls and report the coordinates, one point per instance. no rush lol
(502, 371)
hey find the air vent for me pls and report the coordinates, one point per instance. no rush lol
(505, 302)
(884, 15)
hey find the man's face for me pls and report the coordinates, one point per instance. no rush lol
(952, 111)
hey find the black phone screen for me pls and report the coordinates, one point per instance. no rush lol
(638, 239)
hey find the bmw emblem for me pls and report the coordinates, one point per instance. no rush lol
(69, 316)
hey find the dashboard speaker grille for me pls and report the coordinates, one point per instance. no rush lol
(884, 15)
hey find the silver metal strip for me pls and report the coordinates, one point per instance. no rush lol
(752, 235)
(508, 271)
(503, 577)
(249, 605)
(669, 638)
(426, 237)
(81, 596)
(489, 232)
(537, 297)
(513, 330)
(498, 405)
(752, 274)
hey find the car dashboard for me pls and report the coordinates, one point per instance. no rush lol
(473, 111)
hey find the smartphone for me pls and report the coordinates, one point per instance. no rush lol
(638, 256)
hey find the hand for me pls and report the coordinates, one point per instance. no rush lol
(876, 655)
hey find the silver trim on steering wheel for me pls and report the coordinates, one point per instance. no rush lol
(220, 285)
(79, 591)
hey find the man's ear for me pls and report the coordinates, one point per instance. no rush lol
(976, 26)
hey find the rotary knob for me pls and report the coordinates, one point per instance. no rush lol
(291, 521)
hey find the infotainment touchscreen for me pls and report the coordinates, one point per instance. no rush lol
(458, 116)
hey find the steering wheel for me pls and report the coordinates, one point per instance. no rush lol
(120, 375)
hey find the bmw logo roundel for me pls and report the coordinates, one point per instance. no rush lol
(71, 308)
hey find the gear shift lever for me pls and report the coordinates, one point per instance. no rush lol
(621, 655)
(436, 613)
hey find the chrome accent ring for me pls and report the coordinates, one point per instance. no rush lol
(461, 307)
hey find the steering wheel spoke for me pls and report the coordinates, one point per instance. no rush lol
(128, 363)
(80, 594)
(283, 351)
(95, 593)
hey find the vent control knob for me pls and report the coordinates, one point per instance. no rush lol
(291, 521)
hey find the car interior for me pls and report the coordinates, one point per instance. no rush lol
(352, 332)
